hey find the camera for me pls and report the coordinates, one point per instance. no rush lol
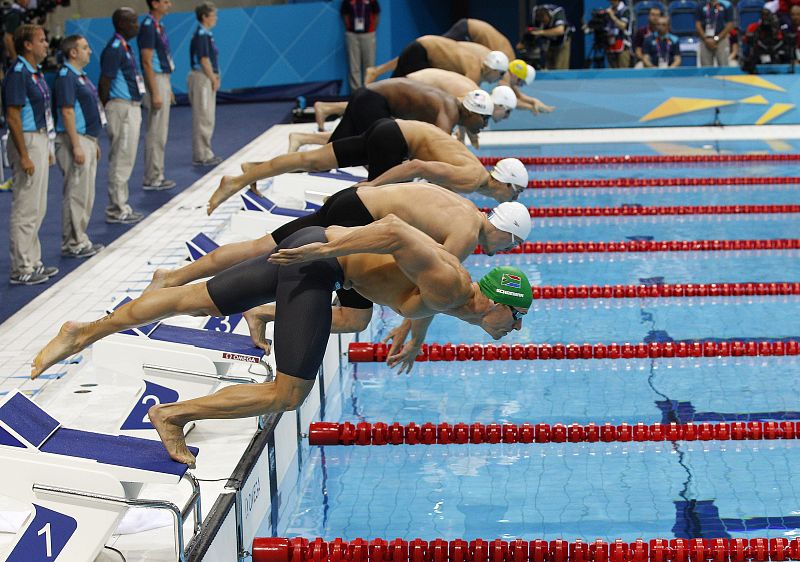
(43, 7)
(533, 49)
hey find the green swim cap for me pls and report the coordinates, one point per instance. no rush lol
(507, 285)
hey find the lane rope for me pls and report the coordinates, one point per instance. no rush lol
(580, 247)
(638, 210)
(569, 183)
(380, 433)
(643, 159)
(377, 352)
(276, 549)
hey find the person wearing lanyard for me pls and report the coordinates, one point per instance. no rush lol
(120, 89)
(30, 123)
(713, 23)
(661, 49)
(79, 120)
(157, 67)
(203, 85)
(360, 19)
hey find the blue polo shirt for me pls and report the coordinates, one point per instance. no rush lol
(118, 63)
(203, 45)
(74, 89)
(153, 36)
(667, 48)
(25, 87)
(716, 13)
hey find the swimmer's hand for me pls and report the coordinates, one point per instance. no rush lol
(539, 107)
(257, 319)
(401, 353)
(309, 252)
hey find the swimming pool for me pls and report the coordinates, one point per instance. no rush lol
(668, 489)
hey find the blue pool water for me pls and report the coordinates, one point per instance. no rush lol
(590, 490)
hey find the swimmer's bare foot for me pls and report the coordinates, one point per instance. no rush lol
(160, 280)
(257, 319)
(171, 434)
(226, 188)
(66, 343)
(370, 74)
(295, 140)
(319, 117)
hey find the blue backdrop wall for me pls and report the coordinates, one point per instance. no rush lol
(280, 45)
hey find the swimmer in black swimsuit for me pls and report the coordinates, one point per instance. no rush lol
(459, 31)
(381, 147)
(390, 261)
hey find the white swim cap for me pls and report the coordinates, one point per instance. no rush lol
(505, 96)
(478, 101)
(511, 170)
(512, 217)
(530, 76)
(496, 60)
(522, 70)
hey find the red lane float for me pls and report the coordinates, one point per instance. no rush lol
(576, 183)
(635, 211)
(380, 433)
(643, 159)
(582, 247)
(368, 352)
(663, 290)
(270, 549)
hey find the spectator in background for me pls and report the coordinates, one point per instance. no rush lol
(203, 86)
(30, 123)
(79, 120)
(550, 24)
(733, 56)
(764, 40)
(643, 33)
(661, 49)
(360, 22)
(157, 67)
(790, 26)
(121, 88)
(713, 23)
(619, 36)
(11, 21)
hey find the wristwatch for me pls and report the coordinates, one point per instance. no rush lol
(716, 38)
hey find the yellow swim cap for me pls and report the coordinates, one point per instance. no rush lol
(522, 70)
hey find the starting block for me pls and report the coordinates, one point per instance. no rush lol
(80, 483)
(262, 215)
(173, 363)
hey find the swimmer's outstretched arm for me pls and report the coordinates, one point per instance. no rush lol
(461, 179)
(317, 160)
(403, 352)
(529, 102)
(441, 279)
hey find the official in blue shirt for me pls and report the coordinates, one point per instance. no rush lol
(203, 85)
(121, 88)
(661, 49)
(79, 120)
(157, 67)
(30, 122)
(713, 22)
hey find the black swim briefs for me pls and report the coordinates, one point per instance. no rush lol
(414, 57)
(302, 296)
(459, 31)
(363, 109)
(344, 208)
(381, 147)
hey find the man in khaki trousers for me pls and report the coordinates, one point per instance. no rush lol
(157, 67)
(30, 124)
(121, 88)
(203, 85)
(80, 118)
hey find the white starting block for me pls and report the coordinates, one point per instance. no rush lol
(79, 483)
(174, 363)
(262, 215)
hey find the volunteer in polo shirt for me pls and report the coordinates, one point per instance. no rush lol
(79, 120)
(30, 122)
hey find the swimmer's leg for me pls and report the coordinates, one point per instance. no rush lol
(373, 72)
(296, 140)
(152, 306)
(239, 401)
(317, 160)
(212, 263)
(324, 109)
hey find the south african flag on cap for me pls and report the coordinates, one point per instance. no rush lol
(507, 285)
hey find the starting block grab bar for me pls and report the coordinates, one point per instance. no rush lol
(179, 515)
